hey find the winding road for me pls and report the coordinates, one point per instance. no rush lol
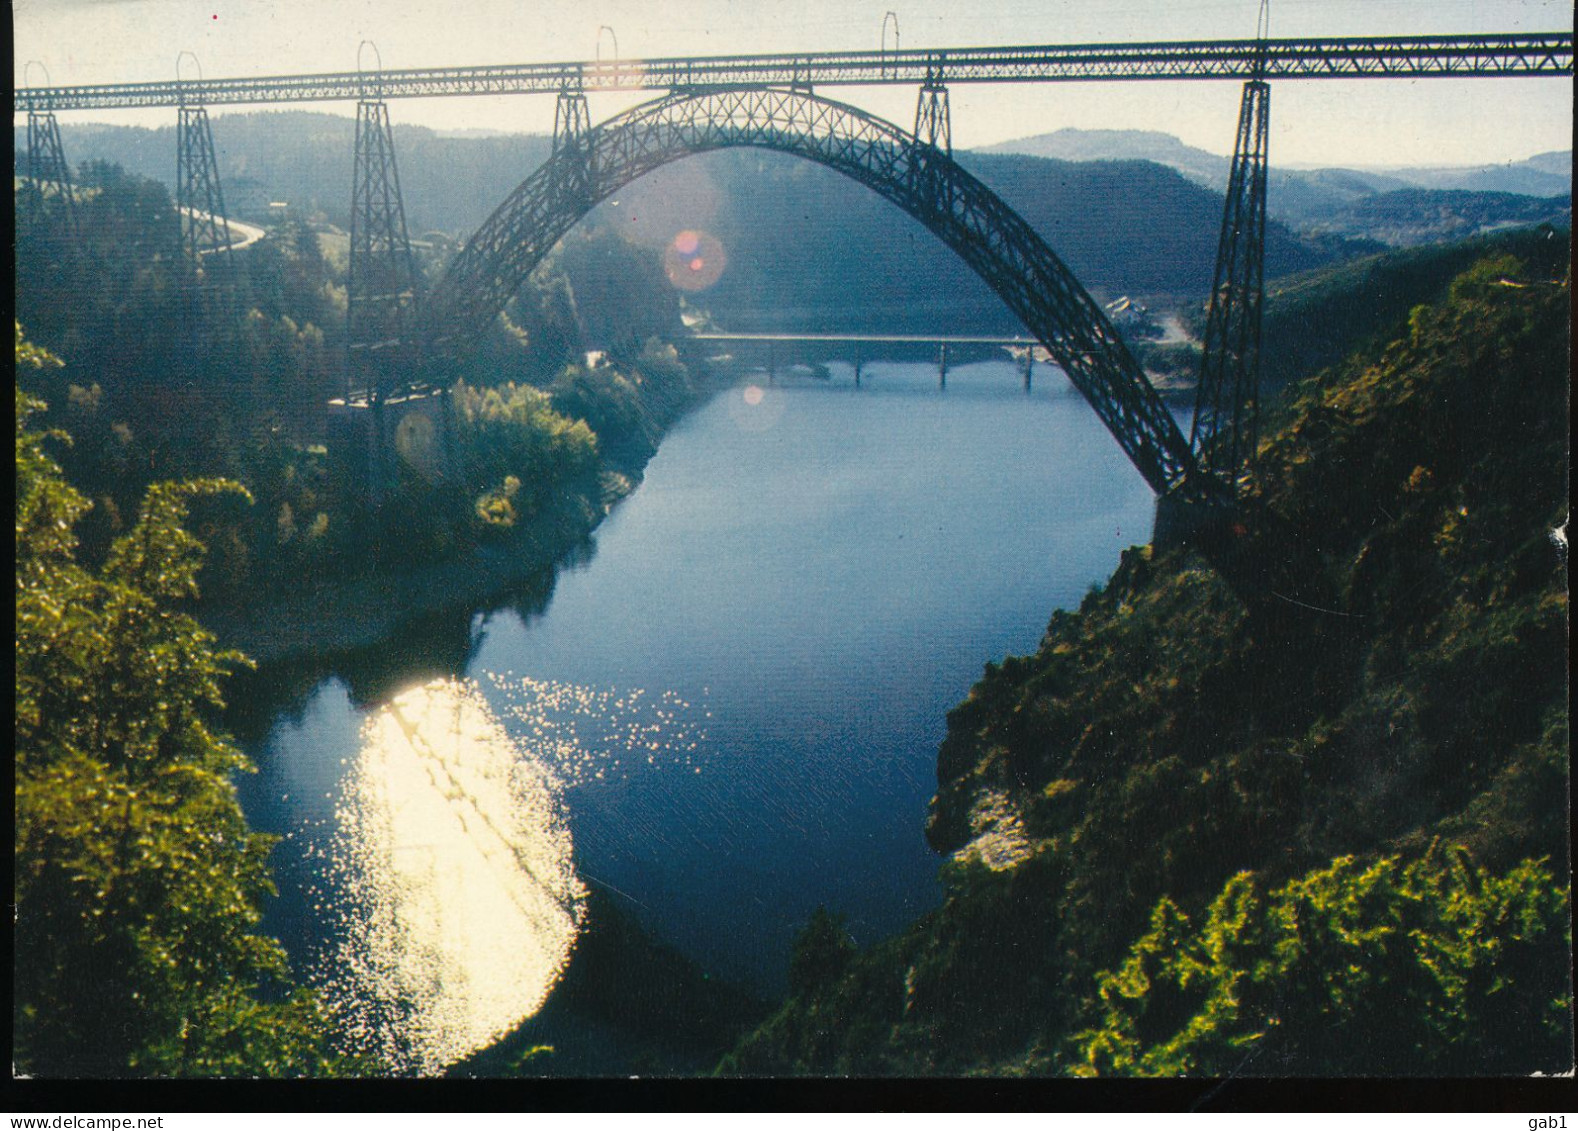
(249, 234)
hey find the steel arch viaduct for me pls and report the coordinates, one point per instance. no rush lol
(591, 163)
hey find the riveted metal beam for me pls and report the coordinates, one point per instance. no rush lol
(1413, 57)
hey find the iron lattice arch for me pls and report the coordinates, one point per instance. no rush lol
(988, 235)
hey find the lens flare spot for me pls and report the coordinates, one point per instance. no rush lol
(755, 408)
(694, 260)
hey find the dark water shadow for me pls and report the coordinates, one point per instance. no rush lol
(426, 645)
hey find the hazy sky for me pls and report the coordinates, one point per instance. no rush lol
(1432, 121)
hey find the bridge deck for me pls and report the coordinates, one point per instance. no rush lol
(1353, 58)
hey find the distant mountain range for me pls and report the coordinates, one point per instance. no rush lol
(1326, 200)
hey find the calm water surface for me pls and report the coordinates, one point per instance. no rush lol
(728, 715)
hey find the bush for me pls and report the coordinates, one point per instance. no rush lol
(1433, 966)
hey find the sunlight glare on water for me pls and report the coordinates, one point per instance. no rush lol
(589, 734)
(464, 901)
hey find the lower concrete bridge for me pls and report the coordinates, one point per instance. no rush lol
(1025, 350)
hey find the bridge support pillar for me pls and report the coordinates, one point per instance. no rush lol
(1030, 361)
(49, 199)
(1225, 431)
(933, 140)
(205, 234)
(858, 360)
(381, 284)
(942, 365)
(372, 440)
(1188, 520)
(933, 123)
(572, 123)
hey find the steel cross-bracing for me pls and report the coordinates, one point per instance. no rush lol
(933, 122)
(1450, 56)
(205, 233)
(572, 122)
(381, 292)
(49, 195)
(1228, 393)
(921, 179)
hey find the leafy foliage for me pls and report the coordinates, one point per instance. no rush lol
(1316, 318)
(1427, 967)
(512, 442)
(137, 880)
(821, 952)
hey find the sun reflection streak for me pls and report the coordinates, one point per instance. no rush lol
(463, 902)
(589, 734)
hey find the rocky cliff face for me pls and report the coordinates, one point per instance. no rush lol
(1174, 732)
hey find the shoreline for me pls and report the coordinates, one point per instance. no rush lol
(356, 613)
(343, 615)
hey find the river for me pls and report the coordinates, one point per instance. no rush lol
(725, 712)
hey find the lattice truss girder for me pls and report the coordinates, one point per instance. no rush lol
(1004, 250)
(1224, 434)
(1368, 57)
(205, 233)
(381, 287)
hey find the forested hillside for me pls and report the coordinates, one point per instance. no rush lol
(1409, 217)
(168, 378)
(1309, 831)
(303, 158)
(808, 247)
(1314, 319)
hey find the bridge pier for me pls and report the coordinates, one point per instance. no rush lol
(49, 195)
(372, 437)
(201, 207)
(1030, 361)
(858, 360)
(1188, 520)
(572, 122)
(942, 365)
(1225, 430)
(381, 283)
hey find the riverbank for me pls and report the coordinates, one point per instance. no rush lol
(344, 615)
(328, 616)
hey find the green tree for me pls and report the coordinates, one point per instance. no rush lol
(821, 953)
(514, 432)
(1430, 966)
(137, 880)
